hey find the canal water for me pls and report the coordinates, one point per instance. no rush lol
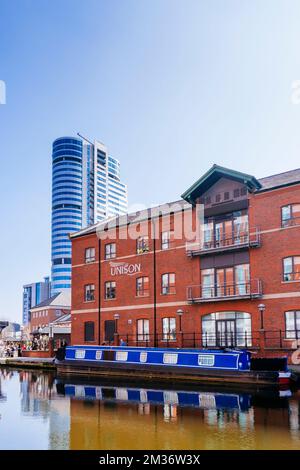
(39, 411)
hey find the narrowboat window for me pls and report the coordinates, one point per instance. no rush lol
(170, 358)
(170, 397)
(169, 329)
(121, 355)
(207, 400)
(292, 324)
(143, 356)
(110, 251)
(89, 331)
(80, 353)
(143, 396)
(98, 355)
(206, 360)
(122, 394)
(79, 391)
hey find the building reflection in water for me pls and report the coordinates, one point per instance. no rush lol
(100, 416)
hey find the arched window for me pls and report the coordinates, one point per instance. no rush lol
(227, 329)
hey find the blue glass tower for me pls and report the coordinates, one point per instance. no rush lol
(86, 188)
(66, 206)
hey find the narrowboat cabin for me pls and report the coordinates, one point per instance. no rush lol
(173, 365)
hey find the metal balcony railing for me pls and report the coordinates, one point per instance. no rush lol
(217, 292)
(213, 243)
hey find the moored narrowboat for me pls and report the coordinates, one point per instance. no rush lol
(173, 365)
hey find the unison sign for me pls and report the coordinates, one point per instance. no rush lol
(117, 269)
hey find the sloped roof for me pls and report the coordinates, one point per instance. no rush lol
(122, 220)
(213, 175)
(62, 299)
(280, 179)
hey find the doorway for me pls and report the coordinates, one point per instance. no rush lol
(109, 330)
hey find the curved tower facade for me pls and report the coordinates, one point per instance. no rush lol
(86, 188)
(67, 170)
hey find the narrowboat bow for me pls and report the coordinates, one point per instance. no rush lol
(173, 365)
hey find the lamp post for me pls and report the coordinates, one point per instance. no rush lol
(261, 308)
(116, 317)
(180, 312)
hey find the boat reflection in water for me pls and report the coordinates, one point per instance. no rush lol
(172, 398)
(106, 416)
(41, 411)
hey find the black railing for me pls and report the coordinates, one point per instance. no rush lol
(255, 340)
(212, 242)
(210, 293)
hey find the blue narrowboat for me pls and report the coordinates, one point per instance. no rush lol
(178, 365)
(182, 398)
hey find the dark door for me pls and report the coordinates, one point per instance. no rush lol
(226, 337)
(110, 329)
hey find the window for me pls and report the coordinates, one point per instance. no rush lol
(90, 255)
(110, 250)
(225, 282)
(169, 329)
(110, 290)
(142, 245)
(89, 292)
(292, 324)
(290, 215)
(89, 331)
(143, 328)
(166, 240)
(142, 286)
(226, 329)
(291, 268)
(168, 284)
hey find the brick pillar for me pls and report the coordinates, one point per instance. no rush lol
(51, 347)
(262, 342)
(116, 339)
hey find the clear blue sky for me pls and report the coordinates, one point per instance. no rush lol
(171, 86)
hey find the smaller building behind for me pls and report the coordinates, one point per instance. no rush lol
(50, 310)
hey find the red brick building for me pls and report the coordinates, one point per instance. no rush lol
(50, 310)
(236, 284)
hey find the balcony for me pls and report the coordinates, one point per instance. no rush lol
(214, 244)
(240, 290)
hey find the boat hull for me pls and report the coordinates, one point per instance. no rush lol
(138, 372)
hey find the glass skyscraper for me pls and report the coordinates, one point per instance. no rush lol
(86, 188)
(33, 294)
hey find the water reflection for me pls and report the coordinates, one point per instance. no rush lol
(40, 411)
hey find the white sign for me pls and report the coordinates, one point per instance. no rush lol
(117, 269)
